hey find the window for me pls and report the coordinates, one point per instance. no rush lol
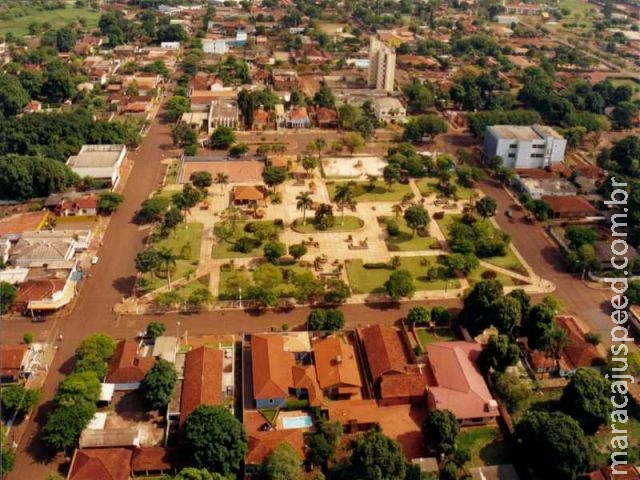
(512, 155)
(537, 155)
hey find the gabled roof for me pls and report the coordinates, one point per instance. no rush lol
(385, 351)
(11, 357)
(155, 458)
(202, 382)
(569, 204)
(459, 386)
(271, 367)
(248, 192)
(578, 352)
(304, 377)
(101, 464)
(404, 385)
(125, 365)
(336, 363)
(39, 289)
(262, 444)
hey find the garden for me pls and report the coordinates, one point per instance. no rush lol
(431, 186)
(485, 446)
(348, 223)
(400, 237)
(374, 191)
(237, 239)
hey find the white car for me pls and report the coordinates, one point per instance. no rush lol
(94, 260)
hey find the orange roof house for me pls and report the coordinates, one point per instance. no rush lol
(578, 353)
(262, 444)
(305, 382)
(248, 195)
(337, 368)
(457, 384)
(569, 206)
(385, 351)
(271, 370)
(354, 415)
(405, 388)
(126, 369)
(156, 461)
(260, 118)
(101, 464)
(202, 382)
(12, 362)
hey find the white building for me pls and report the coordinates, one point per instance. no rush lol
(170, 45)
(536, 146)
(382, 65)
(223, 113)
(101, 162)
(214, 47)
(389, 110)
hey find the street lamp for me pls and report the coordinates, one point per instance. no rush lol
(240, 296)
(178, 329)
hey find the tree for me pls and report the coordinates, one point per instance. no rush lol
(461, 264)
(222, 138)
(66, 39)
(318, 145)
(78, 387)
(304, 202)
(167, 262)
(155, 330)
(498, 354)
(64, 425)
(579, 236)
(324, 98)
(263, 297)
(201, 179)
(274, 250)
(440, 315)
(343, 196)
(297, 250)
(476, 314)
(562, 450)
(157, 385)
(507, 315)
(238, 149)
(108, 202)
(214, 439)
(19, 399)
(400, 284)
(309, 163)
(623, 115)
(512, 390)
(91, 363)
(199, 297)
(267, 276)
(536, 325)
(273, 176)
(424, 126)
(324, 218)
(190, 473)
(284, 463)
(176, 106)
(487, 207)
(7, 460)
(8, 293)
(222, 179)
(147, 261)
(391, 175)
(337, 291)
(417, 218)
(353, 142)
(171, 33)
(99, 344)
(440, 430)
(377, 457)
(419, 316)
(587, 399)
(13, 97)
(172, 218)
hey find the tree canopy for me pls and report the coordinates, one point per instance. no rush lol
(284, 463)
(158, 384)
(587, 399)
(377, 457)
(440, 430)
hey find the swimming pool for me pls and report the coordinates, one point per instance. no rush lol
(303, 421)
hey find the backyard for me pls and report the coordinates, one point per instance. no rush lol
(441, 334)
(485, 446)
(371, 280)
(376, 192)
(405, 241)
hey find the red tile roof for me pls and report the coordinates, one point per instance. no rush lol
(403, 385)
(359, 411)
(336, 364)
(570, 204)
(260, 116)
(101, 464)
(11, 357)
(34, 290)
(630, 473)
(262, 444)
(305, 377)
(578, 353)
(202, 382)
(248, 192)
(298, 113)
(125, 365)
(459, 386)
(326, 115)
(271, 367)
(155, 458)
(385, 351)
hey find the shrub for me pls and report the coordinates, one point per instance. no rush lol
(393, 229)
(27, 338)
(489, 274)
(376, 265)
(245, 244)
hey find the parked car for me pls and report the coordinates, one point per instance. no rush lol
(38, 319)
(94, 260)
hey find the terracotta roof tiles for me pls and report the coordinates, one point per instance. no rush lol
(101, 464)
(336, 363)
(272, 367)
(202, 382)
(385, 351)
(125, 365)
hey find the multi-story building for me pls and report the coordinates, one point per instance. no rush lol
(382, 65)
(535, 146)
(389, 110)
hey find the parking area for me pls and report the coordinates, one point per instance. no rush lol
(239, 171)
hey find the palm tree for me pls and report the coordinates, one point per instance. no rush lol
(343, 197)
(222, 179)
(167, 259)
(304, 202)
(397, 210)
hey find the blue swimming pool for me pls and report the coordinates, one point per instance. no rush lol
(303, 421)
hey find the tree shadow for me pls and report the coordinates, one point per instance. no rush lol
(67, 366)
(37, 448)
(124, 285)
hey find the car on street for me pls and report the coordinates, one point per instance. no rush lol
(94, 260)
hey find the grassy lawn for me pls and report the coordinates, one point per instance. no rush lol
(578, 7)
(270, 414)
(405, 241)
(56, 18)
(429, 186)
(546, 400)
(379, 193)
(184, 234)
(485, 446)
(224, 248)
(189, 288)
(172, 172)
(446, 222)
(365, 280)
(634, 84)
(443, 334)
(476, 276)
(284, 289)
(348, 224)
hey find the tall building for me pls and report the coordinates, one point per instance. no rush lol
(382, 65)
(536, 146)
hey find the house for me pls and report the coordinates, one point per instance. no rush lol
(156, 461)
(202, 383)
(126, 368)
(223, 113)
(101, 464)
(15, 362)
(165, 348)
(271, 370)
(534, 146)
(572, 207)
(145, 82)
(407, 388)
(538, 187)
(253, 196)
(577, 353)
(136, 105)
(260, 119)
(457, 385)
(298, 117)
(354, 415)
(101, 162)
(48, 246)
(217, 46)
(385, 351)
(326, 117)
(72, 204)
(110, 437)
(389, 110)
(337, 368)
(52, 291)
(494, 472)
(262, 445)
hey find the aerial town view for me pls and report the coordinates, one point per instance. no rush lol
(319, 239)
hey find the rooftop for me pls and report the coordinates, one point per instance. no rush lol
(518, 132)
(112, 437)
(11, 357)
(388, 103)
(125, 365)
(101, 464)
(385, 350)
(271, 365)
(155, 458)
(569, 204)
(336, 363)
(202, 382)
(92, 156)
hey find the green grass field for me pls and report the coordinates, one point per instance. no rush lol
(19, 26)
(405, 241)
(190, 234)
(485, 446)
(379, 193)
(633, 83)
(284, 289)
(224, 248)
(442, 334)
(476, 276)
(348, 224)
(429, 186)
(364, 280)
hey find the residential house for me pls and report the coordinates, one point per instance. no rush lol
(354, 415)
(156, 461)
(47, 288)
(200, 100)
(48, 246)
(72, 204)
(271, 371)
(126, 437)
(165, 347)
(202, 383)
(101, 162)
(146, 82)
(223, 113)
(578, 353)
(260, 119)
(298, 117)
(127, 368)
(101, 464)
(262, 445)
(569, 207)
(16, 362)
(389, 110)
(326, 117)
(456, 383)
(87, 45)
(285, 80)
(248, 195)
(337, 368)
(136, 105)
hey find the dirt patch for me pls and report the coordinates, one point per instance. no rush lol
(129, 411)
(403, 423)
(239, 171)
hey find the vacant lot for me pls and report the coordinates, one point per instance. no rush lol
(19, 26)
